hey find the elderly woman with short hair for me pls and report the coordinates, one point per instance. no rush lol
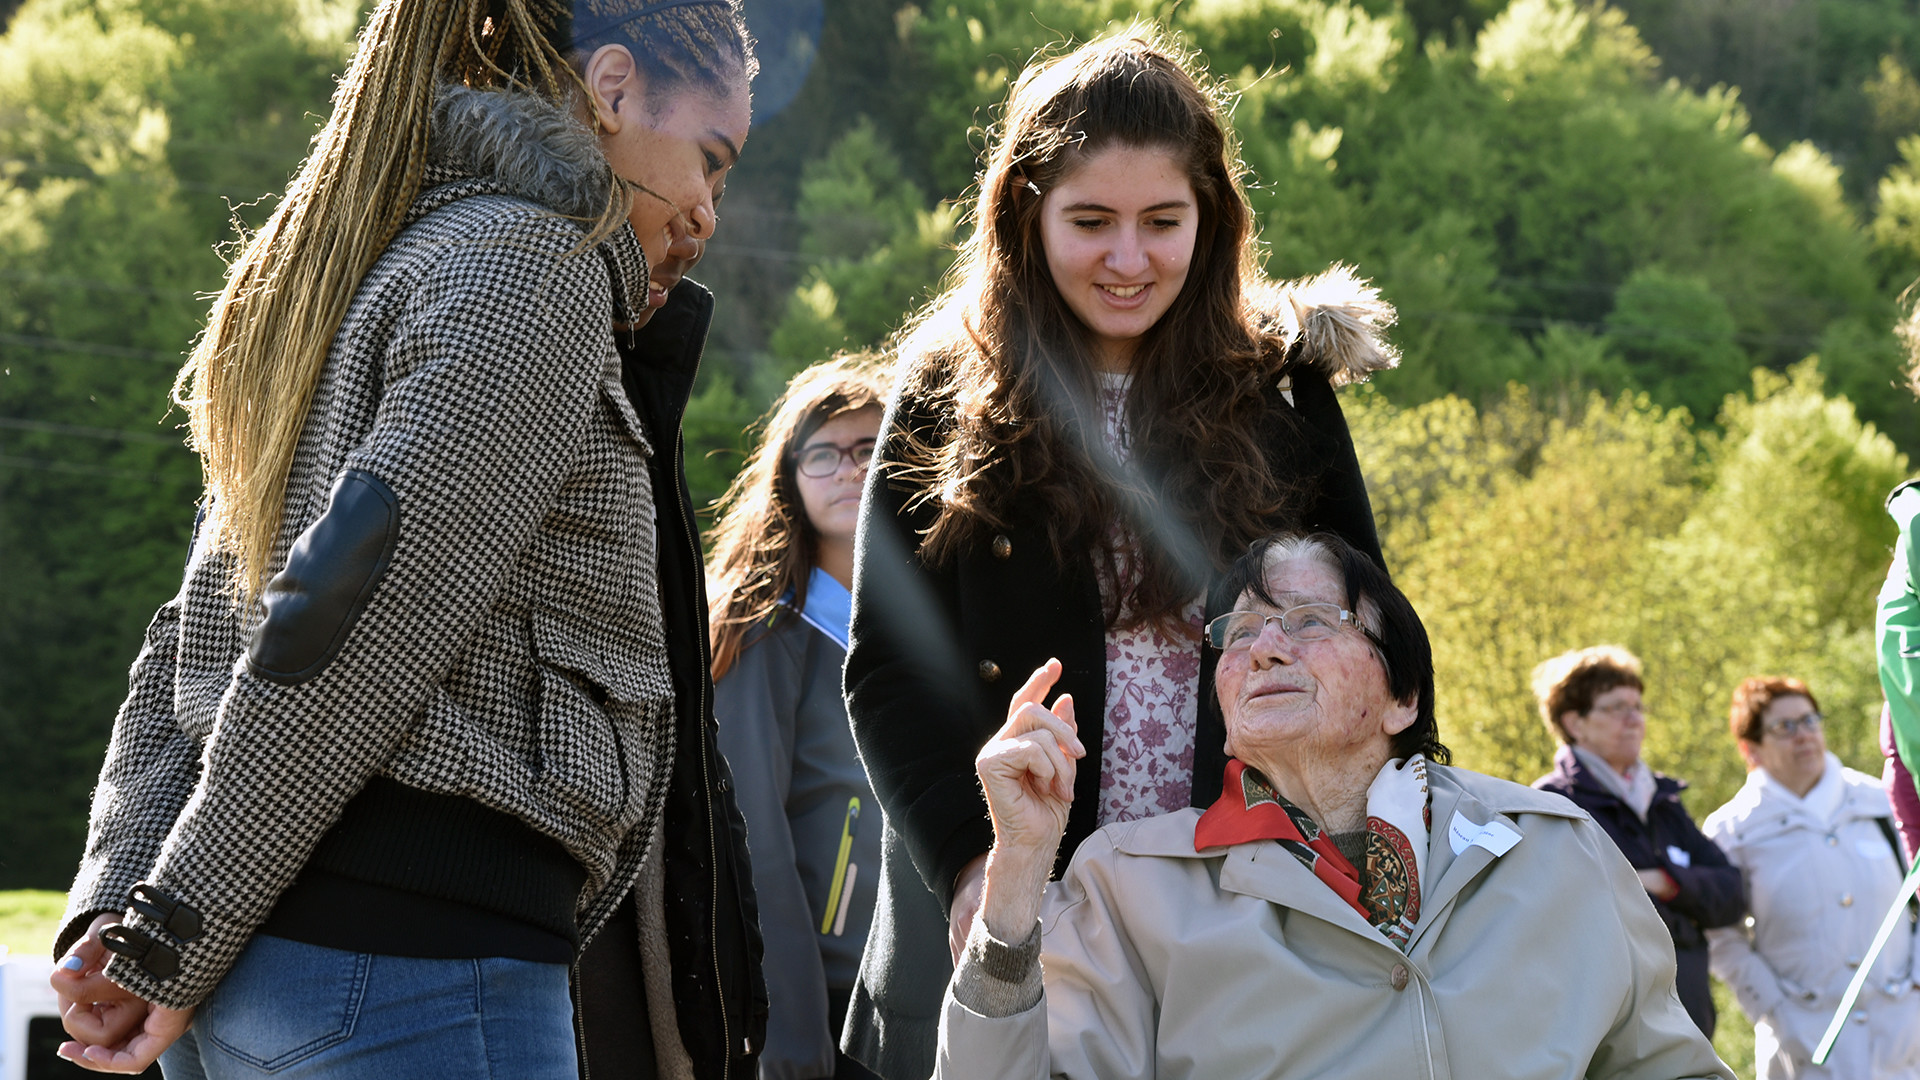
(1350, 906)
(1590, 700)
(1814, 840)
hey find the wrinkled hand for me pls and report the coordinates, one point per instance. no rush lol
(1027, 770)
(967, 890)
(113, 1030)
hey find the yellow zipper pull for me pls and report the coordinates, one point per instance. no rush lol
(839, 892)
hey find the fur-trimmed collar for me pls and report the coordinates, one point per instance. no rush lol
(520, 142)
(1338, 320)
(514, 143)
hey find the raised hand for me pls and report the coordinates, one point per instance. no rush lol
(1027, 770)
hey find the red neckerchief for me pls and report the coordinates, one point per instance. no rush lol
(1250, 809)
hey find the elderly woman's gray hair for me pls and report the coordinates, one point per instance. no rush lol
(1389, 617)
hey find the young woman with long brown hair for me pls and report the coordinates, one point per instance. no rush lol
(1103, 408)
(782, 563)
(427, 711)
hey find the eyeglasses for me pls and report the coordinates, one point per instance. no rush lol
(1304, 622)
(1785, 729)
(1618, 709)
(822, 460)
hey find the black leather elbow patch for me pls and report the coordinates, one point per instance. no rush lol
(330, 575)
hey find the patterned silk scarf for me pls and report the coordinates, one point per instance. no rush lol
(1387, 891)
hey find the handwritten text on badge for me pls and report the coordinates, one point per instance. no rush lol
(1495, 836)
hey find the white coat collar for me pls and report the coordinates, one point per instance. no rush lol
(1820, 802)
(1764, 806)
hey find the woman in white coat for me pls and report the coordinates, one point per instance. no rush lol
(1815, 844)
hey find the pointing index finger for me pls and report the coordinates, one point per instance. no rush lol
(1034, 690)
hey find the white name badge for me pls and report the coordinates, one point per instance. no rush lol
(1496, 836)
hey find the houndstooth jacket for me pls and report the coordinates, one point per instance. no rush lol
(464, 598)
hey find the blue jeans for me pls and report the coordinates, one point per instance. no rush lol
(302, 1012)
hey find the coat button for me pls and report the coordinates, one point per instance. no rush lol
(1399, 977)
(989, 671)
(1832, 840)
(1002, 547)
(1860, 1017)
(1846, 899)
(1853, 961)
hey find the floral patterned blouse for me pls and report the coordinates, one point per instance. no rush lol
(1153, 679)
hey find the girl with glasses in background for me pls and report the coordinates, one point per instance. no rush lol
(781, 567)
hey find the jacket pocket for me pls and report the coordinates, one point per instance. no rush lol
(583, 684)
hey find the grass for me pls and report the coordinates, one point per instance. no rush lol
(29, 918)
(1733, 1032)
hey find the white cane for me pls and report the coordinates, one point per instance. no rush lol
(1894, 914)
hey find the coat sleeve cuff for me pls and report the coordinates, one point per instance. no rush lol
(75, 928)
(155, 964)
(996, 979)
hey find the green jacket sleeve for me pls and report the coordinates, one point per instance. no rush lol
(1897, 627)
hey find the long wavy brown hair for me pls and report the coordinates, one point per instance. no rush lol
(763, 545)
(250, 379)
(1016, 367)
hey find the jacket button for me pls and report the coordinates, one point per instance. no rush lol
(1860, 1017)
(1002, 547)
(989, 671)
(1846, 899)
(1399, 977)
(1832, 840)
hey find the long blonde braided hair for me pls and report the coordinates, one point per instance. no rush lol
(250, 379)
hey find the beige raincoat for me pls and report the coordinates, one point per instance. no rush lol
(1537, 956)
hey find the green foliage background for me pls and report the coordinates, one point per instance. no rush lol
(1647, 260)
(131, 135)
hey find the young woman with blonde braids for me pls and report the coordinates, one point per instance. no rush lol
(782, 563)
(429, 709)
(1104, 406)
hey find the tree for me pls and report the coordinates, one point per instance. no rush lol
(1535, 202)
(125, 129)
(877, 252)
(1539, 526)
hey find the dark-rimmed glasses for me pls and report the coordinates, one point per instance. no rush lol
(1787, 729)
(822, 459)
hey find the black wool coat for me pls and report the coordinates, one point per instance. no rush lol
(712, 921)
